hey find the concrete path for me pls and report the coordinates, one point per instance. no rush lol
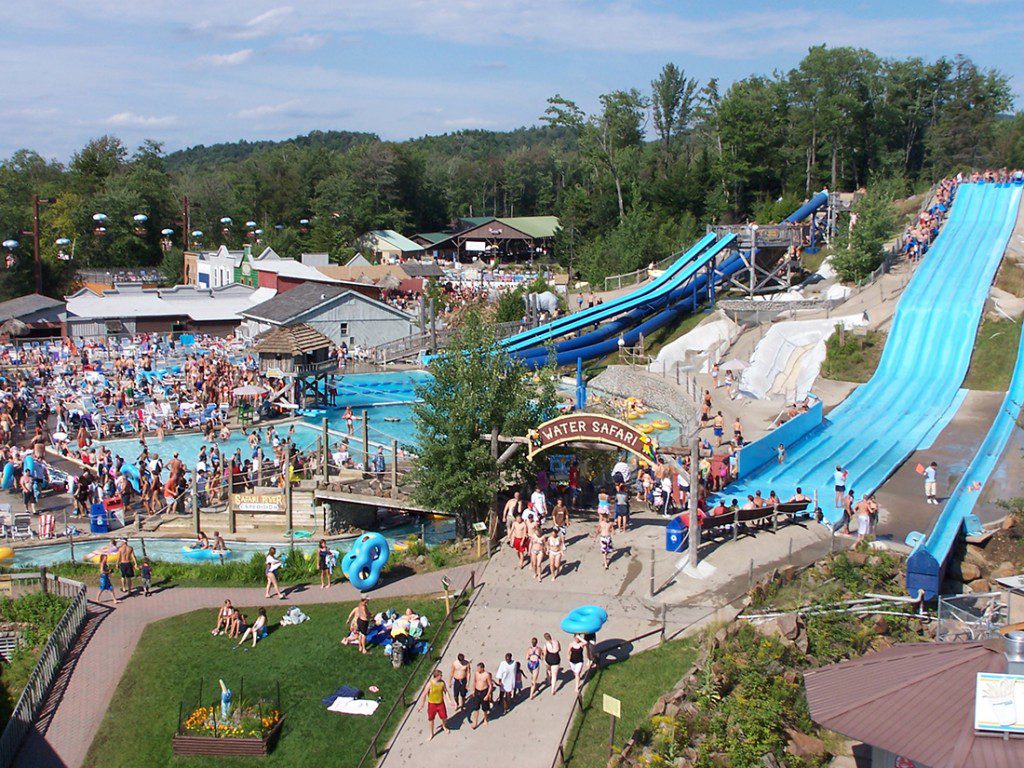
(86, 685)
(512, 607)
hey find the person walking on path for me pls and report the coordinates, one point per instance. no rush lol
(576, 660)
(434, 694)
(533, 658)
(553, 658)
(603, 533)
(460, 679)
(361, 614)
(105, 584)
(483, 689)
(519, 538)
(556, 549)
(507, 676)
(930, 473)
(273, 564)
(126, 564)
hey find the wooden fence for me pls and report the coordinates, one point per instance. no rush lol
(50, 660)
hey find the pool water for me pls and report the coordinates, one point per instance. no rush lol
(169, 550)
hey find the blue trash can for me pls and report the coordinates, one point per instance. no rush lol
(675, 535)
(98, 519)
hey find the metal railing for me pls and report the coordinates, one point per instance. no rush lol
(415, 343)
(373, 750)
(50, 660)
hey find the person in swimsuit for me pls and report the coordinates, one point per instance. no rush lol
(840, 484)
(257, 629)
(621, 506)
(322, 553)
(576, 656)
(556, 548)
(560, 517)
(603, 502)
(604, 538)
(719, 427)
(553, 658)
(519, 541)
(434, 694)
(223, 618)
(272, 565)
(105, 585)
(126, 564)
(533, 656)
(537, 549)
(512, 507)
(483, 687)
(460, 677)
(361, 615)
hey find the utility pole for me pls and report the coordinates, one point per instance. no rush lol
(185, 223)
(34, 234)
(694, 526)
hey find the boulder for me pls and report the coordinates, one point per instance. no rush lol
(969, 572)
(1005, 569)
(1008, 522)
(976, 556)
(804, 746)
(881, 643)
(980, 585)
(789, 625)
(881, 625)
(859, 558)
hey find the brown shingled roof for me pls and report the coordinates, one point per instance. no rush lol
(292, 340)
(915, 700)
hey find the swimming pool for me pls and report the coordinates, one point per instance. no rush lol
(169, 550)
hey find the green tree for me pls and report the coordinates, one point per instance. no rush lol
(876, 224)
(672, 104)
(476, 388)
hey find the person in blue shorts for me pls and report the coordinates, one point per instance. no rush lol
(621, 507)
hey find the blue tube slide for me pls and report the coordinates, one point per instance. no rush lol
(807, 208)
(674, 311)
(665, 282)
(681, 281)
(926, 566)
(923, 364)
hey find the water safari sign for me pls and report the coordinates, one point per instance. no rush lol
(591, 428)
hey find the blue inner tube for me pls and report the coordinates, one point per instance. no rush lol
(205, 554)
(587, 619)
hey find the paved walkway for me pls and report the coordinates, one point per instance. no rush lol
(87, 684)
(512, 607)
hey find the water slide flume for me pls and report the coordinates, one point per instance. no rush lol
(923, 364)
(926, 566)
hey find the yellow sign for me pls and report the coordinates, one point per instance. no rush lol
(611, 705)
(258, 502)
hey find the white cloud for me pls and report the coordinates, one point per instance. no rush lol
(226, 59)
(265, 110)
(264, 24)
(131, 119)
(302, 43)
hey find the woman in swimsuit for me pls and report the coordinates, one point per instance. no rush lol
(556, 546)
(533, 654)
(553, 658)
(537, 555)
(576, 650)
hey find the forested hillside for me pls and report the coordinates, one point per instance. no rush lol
(632, 180)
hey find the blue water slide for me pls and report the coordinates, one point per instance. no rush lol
(926, 566)
(673, 312)
(923, 364)
(572, 323)
(807, 208)
(679, 289)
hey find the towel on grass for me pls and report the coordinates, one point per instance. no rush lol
(363, 707)
(343, 692)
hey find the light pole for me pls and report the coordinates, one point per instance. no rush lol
(34, 234)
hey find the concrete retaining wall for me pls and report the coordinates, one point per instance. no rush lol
(659, 393)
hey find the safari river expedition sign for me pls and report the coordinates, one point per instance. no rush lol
(591, 428)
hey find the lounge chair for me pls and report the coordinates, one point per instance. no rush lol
(21, 528)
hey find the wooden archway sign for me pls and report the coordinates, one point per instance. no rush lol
(591, 428)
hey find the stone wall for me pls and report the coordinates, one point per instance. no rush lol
(659, 393)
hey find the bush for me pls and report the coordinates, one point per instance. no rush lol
(877, 223)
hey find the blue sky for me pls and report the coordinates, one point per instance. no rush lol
(188, 72)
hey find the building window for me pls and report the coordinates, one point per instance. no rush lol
(343, 329)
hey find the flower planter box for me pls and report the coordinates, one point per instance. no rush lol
(214, 746)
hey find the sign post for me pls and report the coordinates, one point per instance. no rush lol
(591, 428)
(613, 707)
(694, 525)
(446, 585)
(479, 528)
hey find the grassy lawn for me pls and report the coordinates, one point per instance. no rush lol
(637, 682)
(307, 661)
(853, 359)
(1011, 277)
(995, 354)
